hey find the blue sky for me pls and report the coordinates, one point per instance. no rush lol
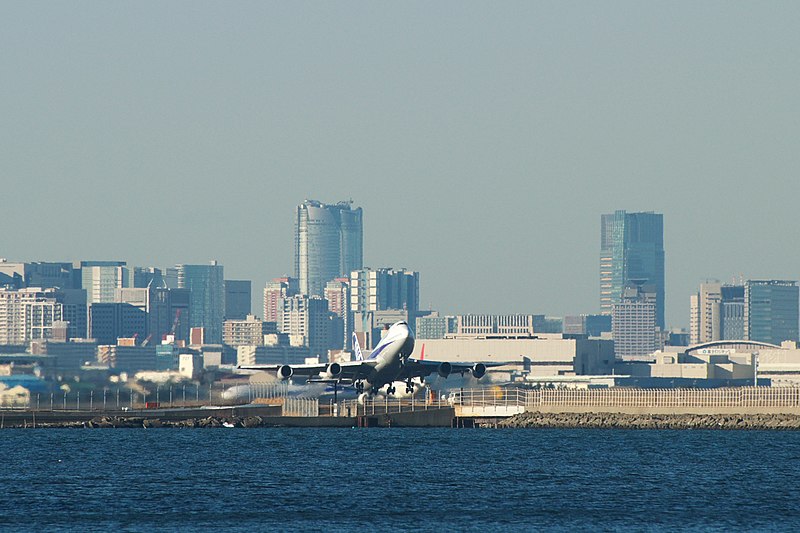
(483, 140)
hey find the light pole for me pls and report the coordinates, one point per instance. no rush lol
(755, 369)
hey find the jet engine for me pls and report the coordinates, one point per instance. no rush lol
(444, 369)
(478, 370)
(285, 372)
(333, 370)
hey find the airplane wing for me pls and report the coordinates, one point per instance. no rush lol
(419, 368)
(320, 372)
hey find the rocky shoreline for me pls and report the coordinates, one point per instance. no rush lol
(625, 421)
(141, 422)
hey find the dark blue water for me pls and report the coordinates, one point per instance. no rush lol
(420, 479)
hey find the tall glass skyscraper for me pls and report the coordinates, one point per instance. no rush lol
(206, 284)
(631, 254)
(328, 244)
(771, 310)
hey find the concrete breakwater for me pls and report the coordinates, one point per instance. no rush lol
(531, 419)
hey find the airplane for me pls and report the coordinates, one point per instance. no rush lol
(388, 363)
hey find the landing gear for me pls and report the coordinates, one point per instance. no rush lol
(409, 387)
(359, 387)
(390, 390)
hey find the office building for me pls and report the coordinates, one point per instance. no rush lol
(384, 288)
(274, 292)
(705, 324)
(591, 325)
(434, 326)
(771, 311)
(306, 318)
(31, 313)
(101, 278)
(337, 292)
(495, 325)
(144, 277)
(631, 253)
(716, 312)
(548, 324)
(249, 331)
(633, 324)
(111, 321)
(17, 275)
(237, 299)
(129, 359)
(732, 312)
(165, 311)
(206, 298)
(328, 243)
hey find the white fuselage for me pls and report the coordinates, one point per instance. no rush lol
(391, 352)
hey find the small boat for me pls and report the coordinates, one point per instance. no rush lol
(227, 425)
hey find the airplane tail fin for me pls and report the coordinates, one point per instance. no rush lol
(357, 348)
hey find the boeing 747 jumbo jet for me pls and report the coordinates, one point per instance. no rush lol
(389, 362)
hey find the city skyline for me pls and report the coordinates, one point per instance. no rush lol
(474, 159)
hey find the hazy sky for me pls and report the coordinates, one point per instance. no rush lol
(482, 139)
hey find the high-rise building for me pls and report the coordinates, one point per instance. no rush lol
(631, 253)
(111, 321)
(237, 299)
(716, 312)
(166, 312)
(306, 317)
(32, 313)
(274, 292)
(143, 277)
(249, 332)
(328, 243)
(207, 298)
(337, 292)
(732, 312)
(41, 275)
(384, 288)
(434, 326)
(633, 324)
(591, 325)
(771, 310)
(705, 324)
(101, 278)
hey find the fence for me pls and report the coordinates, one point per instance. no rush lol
(301, 407)
(123, 397)
(630, 397)
(744, 399)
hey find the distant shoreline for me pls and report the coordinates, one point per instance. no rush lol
(529, 420)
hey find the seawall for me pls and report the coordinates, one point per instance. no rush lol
(599, 420)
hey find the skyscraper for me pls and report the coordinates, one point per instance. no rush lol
(207, 298)
(716, 313)
(771, 310)
(337, 292)
(306, 318)
(101, 278)
(631, 254)
(274, 292)
(633, 323)
(328, 243)
(384, 288)
(237, 299)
